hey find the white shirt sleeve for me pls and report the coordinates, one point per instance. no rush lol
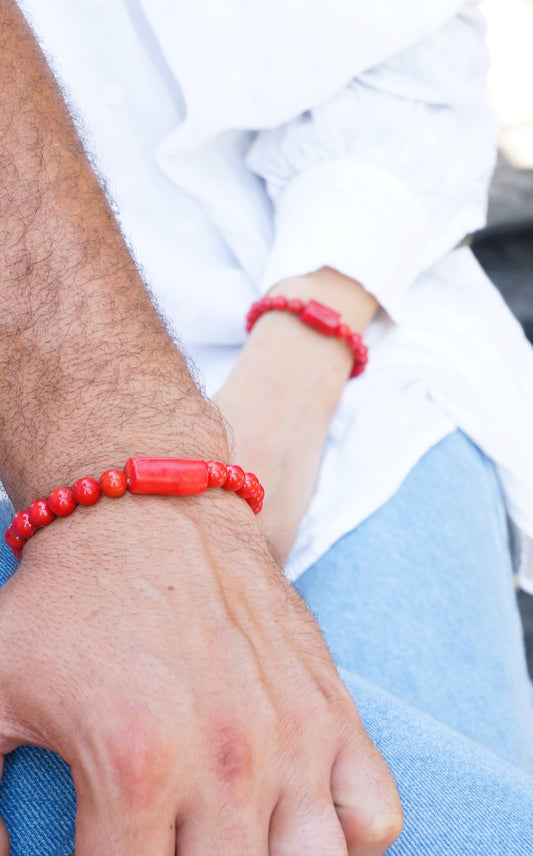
(257, 63)
(384, 178)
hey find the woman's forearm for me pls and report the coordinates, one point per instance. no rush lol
(283, 392)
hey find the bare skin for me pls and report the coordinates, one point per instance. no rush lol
(153, 643)
(281, 397)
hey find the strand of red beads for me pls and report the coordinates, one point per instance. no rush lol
(148, 476)
(320, 318)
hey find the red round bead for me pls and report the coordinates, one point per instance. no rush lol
(354, 340)
(86, 491)
(250, 486)
(259, 494)
(113, 483)
(267, 303)
(279, 302)
(361, 354)
(256, 506)
(17, 553)
(39, 513)
(343, 331)
(216, 474)
(22, 525)
(358, 369)
(14, 540)
(61, 502)
(235, 479)
(296, 306)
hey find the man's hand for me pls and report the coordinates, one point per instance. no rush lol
(188, 687)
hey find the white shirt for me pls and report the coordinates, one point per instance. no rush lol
(248, 142)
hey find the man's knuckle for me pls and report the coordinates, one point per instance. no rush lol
(232, 755)
(140, 757)
(381, 829)
(332, 689)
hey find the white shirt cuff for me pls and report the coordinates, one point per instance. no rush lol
(355, 217)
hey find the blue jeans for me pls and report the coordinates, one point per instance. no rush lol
(418, 610)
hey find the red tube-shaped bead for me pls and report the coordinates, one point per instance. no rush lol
(235, 479)
(39, 513)
(320, 318)
(86, 491)
(61, 502)
(216, 474)
(14, 540)
(113, 483)
(166, 476)
(22, 525)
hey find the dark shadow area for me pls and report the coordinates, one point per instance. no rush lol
(525, 604)
(506, 254)
(505, 250)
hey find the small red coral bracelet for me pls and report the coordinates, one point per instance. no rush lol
(149, 476)
(320, 318)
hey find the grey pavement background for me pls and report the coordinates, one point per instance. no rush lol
(505, 247)
(507, 256)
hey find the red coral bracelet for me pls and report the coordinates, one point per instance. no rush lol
(149, 476)
(320, 318)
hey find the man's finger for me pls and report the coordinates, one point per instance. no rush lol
(366, 799)
(308, 826)
(4, 840)
(4, 835)
(123, 834)
(219, 832)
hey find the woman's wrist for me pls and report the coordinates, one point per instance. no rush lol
(296, 364)
(288, 368)
(347, 296)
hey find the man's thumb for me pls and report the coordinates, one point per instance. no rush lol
(4, 836)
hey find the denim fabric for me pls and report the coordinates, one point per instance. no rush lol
(419, 601)
(458, 798)
(37, 800)
(418, 609)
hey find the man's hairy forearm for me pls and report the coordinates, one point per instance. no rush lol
(89, 373)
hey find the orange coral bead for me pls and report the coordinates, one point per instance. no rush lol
(86, 491)
(113, 483)
(61, 502)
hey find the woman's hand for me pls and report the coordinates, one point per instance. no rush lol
(282, 394)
